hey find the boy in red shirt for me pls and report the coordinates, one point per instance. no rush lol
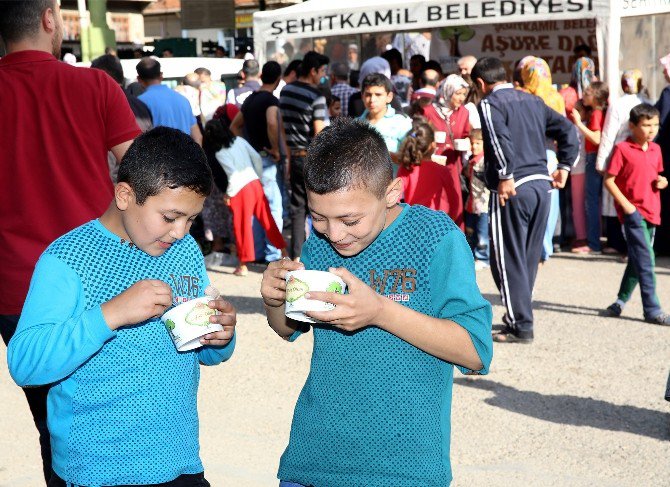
(634, 181)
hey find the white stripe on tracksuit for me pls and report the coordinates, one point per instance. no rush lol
(500, 155)
(498, 245)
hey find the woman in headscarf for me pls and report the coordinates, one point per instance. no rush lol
(449, 116)
(615, 130)
(536, 79)
(583, 74)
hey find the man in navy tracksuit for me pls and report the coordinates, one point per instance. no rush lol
(516, 127)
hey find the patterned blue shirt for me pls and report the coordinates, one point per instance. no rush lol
(123, 405)
(375, 410)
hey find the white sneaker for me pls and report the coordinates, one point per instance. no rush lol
(480, 264)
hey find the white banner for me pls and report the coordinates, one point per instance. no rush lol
(629, 8)
(318, 18)
(552, 40)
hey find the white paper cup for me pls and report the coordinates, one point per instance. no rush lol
(440, 137)
(438, 159)
(188, 322)
(462, 145)
(298, 283)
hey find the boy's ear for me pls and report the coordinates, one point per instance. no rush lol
(389, 97)
(479, 83)
(123, 196)
(393, 192)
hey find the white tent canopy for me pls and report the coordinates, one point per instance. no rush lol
(322, 18)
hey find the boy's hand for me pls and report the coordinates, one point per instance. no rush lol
(143, 300)
(273, 285)
(560, 177)
(629, 209)
(355, 310)
(227, 318)
(661, 182)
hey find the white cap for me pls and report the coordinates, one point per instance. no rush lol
(70, 58)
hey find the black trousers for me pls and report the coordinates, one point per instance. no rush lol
(37, 399)
(186, 480)
(298, 205)
(517, 231)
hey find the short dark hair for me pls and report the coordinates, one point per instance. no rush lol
(21, 19)
(377, 79)
(148, 68)
(163, 158)
(582, 47)
(293, 67)
(340, 71)
(490, 70)
(111, 65)
(312, 60)
(393, 55)
(432, 64)
(643, 111)
(167, 49)
(251, 67)
(271, 72)
(199, 71)
(349, 153)
(418, 57)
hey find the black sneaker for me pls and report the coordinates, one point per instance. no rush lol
(612, 311)
(663, 319)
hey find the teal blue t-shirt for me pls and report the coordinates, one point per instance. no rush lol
(122, 409)
(375, 410)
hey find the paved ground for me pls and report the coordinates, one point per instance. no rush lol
(582, 406)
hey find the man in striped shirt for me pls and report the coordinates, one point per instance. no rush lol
(304, 112)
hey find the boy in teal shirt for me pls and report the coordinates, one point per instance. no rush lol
(122, 409)
(377, 93)
(375, 410)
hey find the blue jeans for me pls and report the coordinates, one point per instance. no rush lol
(552, 220)
(640, 269)
(479, 238)
(264, 250)
(594, 187)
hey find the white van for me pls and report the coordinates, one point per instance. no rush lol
(175, 68)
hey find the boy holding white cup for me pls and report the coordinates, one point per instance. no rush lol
(376, 406)
(123, 407)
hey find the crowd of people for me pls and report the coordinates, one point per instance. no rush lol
(397, 169)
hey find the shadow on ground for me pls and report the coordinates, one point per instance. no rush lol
(574, 410)
(246, 305)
